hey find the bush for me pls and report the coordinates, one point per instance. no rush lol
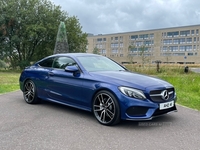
(3, 64)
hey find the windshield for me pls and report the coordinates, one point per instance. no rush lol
(99, 63)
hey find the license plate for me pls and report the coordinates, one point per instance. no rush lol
(166, 105)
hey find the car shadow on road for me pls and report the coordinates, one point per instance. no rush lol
(67, 109)
(161, 121)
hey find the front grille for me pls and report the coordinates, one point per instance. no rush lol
(156, 96)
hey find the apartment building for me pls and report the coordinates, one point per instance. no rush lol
(168, 45)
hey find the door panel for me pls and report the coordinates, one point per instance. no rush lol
(64, 86)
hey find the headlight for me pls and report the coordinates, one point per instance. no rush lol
(134, 93)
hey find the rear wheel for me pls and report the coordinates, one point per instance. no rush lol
(30, 93)
(106, 108)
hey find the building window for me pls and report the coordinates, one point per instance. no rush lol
(133, 50)
(165, 48)
(190, 54)
(104, 39)
(147, 43)
(173, 34)
(147, 54)
(167, 41)
(103, 51)
(182, 41)
(99, 40)
(176, 41)
(185, 33)
(114, 51)
(121, 44)
(143, 36)
(173, 48)
(188, 48)
(151, 36)
(149, 49)
(194, 47)
(192, 32)
(99, 45)
(139, 43)
(166, 54)
(134, 37)
(114, 45)
(178, 54)
(182, 48)
(197, 31)
(189, 40)
(121, 38)
(164, 34)
(116, 38)
(195, 39)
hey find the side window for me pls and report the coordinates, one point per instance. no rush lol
(62, 62)
(47, 62)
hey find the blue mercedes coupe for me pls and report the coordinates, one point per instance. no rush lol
(97, 84)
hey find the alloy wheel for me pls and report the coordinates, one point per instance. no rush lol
(29, 91)
(105, 108)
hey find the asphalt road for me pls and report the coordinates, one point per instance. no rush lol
(197, 70)
(49, 126)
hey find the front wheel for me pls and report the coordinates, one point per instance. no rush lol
(106, 108)
(30, 93)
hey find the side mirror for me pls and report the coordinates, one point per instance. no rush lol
(73, 69)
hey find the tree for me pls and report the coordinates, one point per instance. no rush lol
(3, 64)
(96, 51)
(131, 49)
(144, 56)
(28, 30)
(168, 55)
(76, 38)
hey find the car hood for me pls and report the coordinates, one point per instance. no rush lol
(126, 78)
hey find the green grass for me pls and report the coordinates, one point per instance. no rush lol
(187, 88)
(9, 81)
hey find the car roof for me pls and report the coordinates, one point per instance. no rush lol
(75, 54)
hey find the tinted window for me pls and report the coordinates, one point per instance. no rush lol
(62, 62)
(47, 62)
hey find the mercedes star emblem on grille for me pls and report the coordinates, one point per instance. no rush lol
(165, 95)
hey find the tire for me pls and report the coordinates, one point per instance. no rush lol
(106, 108)
(30, 92)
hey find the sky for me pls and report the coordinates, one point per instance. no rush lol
(118, 16)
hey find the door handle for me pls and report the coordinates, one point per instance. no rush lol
(51, 73)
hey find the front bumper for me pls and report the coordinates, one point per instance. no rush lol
(157, 113)
(134, 109)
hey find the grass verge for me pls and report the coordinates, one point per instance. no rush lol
(187, 88)
(9, 81)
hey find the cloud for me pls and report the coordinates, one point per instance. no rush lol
(114, 16)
